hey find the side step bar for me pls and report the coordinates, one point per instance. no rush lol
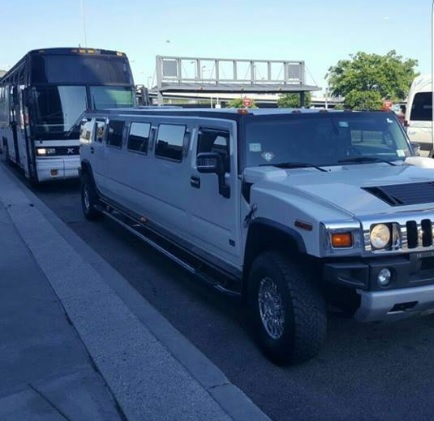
(187, 266)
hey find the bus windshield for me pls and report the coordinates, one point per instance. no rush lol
(56, 109)
(325, 139)
(111, 97)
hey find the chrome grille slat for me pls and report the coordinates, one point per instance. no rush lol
(426, 232)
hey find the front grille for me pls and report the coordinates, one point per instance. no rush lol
(67, 150)
(417, 234)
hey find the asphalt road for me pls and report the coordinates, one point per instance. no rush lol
(382, 371)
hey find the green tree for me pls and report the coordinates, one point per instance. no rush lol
(292, 100)
(367, 79)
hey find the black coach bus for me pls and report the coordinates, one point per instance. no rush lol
(43, 95)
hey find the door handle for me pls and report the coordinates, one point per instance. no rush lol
(92, 150)
(195, 182)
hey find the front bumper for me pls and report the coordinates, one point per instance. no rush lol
(57, 168)
(410, 292)
(395, 304)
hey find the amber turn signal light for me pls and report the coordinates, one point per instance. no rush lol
(341, 239)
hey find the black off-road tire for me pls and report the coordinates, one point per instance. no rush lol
(302, 309)
(89, 198)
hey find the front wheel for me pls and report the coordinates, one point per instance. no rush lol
(288, 311)
(89, 199)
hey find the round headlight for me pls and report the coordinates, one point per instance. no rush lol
(384, 277)
(380, 236)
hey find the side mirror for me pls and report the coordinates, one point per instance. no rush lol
(212, 163)
(209, 163)
(416, 148)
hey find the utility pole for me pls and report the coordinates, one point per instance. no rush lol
(83, 20)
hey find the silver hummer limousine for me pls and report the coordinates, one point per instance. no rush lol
(292, 209)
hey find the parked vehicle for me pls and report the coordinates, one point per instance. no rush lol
(42, 97)
(291, 209)
(418, 114)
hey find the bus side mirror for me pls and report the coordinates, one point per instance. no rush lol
(212, 163)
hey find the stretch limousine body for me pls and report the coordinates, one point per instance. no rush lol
(292, 209)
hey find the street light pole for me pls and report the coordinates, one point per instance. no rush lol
(83, 19)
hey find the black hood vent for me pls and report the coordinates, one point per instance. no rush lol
(404, 194)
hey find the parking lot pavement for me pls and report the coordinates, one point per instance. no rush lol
(80, 343)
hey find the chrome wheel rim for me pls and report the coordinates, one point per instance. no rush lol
(271, 308)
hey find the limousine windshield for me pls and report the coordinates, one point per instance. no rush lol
(325, 139)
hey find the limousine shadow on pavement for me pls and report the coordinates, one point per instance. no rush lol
(79, 343)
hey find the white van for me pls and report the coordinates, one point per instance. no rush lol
(418, 115)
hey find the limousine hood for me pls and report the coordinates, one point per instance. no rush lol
(354, 189)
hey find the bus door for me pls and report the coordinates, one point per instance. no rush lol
(24, 126)
(15, 153)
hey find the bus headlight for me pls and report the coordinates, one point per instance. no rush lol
(45, 151)
(380, 236)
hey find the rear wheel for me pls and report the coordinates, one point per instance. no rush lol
(288, 311)
(89, 198)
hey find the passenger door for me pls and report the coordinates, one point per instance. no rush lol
(215, 218)
(165, 178)
(115, 161)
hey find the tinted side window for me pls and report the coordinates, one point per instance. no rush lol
(211, 140)
(115, 131)
(138, 137)
(170, 141)
(421, 109)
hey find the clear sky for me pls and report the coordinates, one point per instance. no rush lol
(320, 32)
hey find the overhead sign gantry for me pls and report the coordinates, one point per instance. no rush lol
(214, 75)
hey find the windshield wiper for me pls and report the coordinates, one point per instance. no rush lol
(294, 165)
(357, 159)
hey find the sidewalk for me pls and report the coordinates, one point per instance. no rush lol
(79, 343)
